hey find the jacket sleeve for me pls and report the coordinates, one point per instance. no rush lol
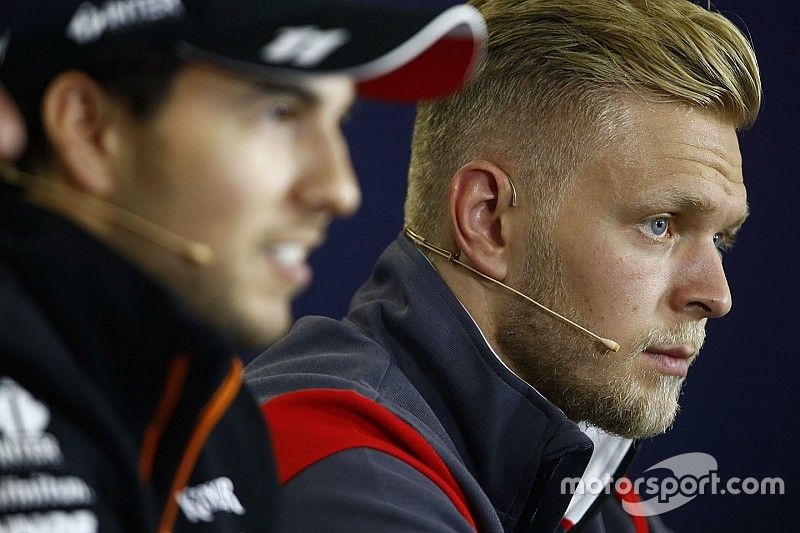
(366, 490)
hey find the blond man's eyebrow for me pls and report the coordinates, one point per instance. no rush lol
(695, 203)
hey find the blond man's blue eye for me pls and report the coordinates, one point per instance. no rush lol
(658, 226)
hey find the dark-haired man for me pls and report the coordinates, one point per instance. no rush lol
(183, 158)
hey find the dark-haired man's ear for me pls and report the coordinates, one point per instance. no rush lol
(479, 202)
(83, 128)
(12, 129)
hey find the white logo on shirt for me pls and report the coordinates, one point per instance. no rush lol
(61, 521)
(43, 490)
(304, 46)
(90, 22)
(23, 420)
(199, 503)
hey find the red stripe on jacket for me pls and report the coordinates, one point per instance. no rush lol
(309, 425)
(630, 497)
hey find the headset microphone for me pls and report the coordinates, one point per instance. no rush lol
(454, 258)
(196, 253)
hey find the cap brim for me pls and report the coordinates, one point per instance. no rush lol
(435, 61)
(392, 54)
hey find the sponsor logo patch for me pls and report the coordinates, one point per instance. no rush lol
(23, 420)
(200, 502)
(42, 491)
(61, 521)
(303, 46)
(90, 22)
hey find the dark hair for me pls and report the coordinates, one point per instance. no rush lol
(140, 82)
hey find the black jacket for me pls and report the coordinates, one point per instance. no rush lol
(118, 412)
(431, 431)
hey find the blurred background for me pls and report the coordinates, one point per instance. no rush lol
(740, 403)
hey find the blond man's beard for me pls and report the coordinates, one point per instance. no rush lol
(614, 391)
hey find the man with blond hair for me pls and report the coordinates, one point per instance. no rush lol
(565, 224)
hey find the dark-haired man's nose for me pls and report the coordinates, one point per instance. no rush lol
(330, 183)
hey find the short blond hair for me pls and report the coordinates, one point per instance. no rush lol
(554, 77)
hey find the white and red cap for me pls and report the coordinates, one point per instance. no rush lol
(392, 53)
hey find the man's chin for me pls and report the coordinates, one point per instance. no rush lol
(636, 428)
(638, 431)
(266, 333)
(644, 408)
(257, 328)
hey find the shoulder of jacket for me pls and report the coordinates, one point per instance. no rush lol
(338, 420)
(320, 353)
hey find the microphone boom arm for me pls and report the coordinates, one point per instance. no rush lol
(419, 240)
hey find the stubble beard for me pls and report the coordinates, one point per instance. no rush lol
(614, 391)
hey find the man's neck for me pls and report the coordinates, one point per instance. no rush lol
(477, 297)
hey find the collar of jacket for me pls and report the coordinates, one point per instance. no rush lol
(611, 457)
(119, 327)
(503, 430)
